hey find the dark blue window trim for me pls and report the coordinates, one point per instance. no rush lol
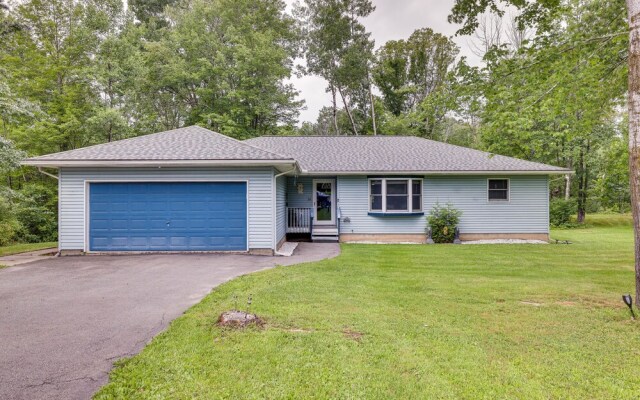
(395, 214)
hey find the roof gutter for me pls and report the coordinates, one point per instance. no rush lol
(48, 174)
(530, 172)
(294, 169)
(154, 163)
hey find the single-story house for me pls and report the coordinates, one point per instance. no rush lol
(191, 189)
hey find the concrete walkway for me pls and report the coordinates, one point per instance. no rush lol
(30, 256)
(65, 320)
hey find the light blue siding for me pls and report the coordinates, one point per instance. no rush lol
(281, 208)
(304, 199)
(526, 212)
(72, 185)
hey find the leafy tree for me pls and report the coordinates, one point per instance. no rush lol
(12, 107)
(117, 67)
(147, 10)
(52, 59)
(338, 48)
(416, 80)
(10, 157)
(223, 65)
(540, 113)
(539, 13)
(611, 170)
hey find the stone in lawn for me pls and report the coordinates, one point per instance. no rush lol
(238, 319)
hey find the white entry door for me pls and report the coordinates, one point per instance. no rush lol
(324, 201)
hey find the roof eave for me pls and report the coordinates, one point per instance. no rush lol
(461, 172)
(155, 163)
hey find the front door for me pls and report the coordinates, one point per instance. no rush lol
(324, 202)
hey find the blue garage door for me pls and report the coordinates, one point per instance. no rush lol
(177, 216)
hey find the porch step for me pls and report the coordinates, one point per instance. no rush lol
(325, 231)
(325, 238)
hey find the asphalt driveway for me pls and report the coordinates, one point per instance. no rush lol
(64, 321)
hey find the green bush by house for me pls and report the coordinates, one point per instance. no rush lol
(443, 222)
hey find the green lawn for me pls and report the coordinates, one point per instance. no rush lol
(24, 247)
(412, 321)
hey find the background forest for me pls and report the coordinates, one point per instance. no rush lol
(76, 73)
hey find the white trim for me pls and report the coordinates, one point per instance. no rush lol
(316, 221)
(274, 211)
(508, 190)
(155, 163)
(409, 195)
(88, 182)
(427, 173)
(274, 215)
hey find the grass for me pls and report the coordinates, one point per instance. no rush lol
(25, 247)
(609, 220)
(410, 321)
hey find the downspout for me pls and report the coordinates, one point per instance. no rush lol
(48, 174)
(275, 200)
(58, 179)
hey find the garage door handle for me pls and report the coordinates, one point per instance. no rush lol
(168, 223)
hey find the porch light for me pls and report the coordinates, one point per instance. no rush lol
(628, 300)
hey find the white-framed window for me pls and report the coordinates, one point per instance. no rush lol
(498, 189)
(395, 195)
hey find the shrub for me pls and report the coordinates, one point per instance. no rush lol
(443, 222)
(9, 225)
(561, 211)
(36, 213)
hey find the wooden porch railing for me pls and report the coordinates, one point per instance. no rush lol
(299, 220)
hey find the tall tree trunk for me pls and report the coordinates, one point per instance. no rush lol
(582, 186)
(335, 109)
(373, 107)
(633, 13)
(346, 107)
(567, 186)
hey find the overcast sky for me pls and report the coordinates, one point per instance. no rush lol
(392, 20)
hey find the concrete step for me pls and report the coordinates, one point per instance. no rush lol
(325, 231)
(325, 238)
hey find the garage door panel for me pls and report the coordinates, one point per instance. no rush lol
(144, 216)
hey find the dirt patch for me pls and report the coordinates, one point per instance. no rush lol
(566, 303)
(531, 303)
(299, 330)
(238, 319)
(353, 335)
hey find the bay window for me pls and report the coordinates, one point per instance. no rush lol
(395, 195)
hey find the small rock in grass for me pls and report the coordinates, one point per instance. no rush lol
(238, 319)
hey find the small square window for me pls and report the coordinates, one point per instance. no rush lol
(498, 190)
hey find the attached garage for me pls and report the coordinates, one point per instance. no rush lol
(187, 189)
(167, 216)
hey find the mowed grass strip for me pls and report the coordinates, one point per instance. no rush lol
(412, 321)
(25, 247)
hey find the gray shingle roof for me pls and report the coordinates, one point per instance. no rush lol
(184, 144)
(335, 154)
